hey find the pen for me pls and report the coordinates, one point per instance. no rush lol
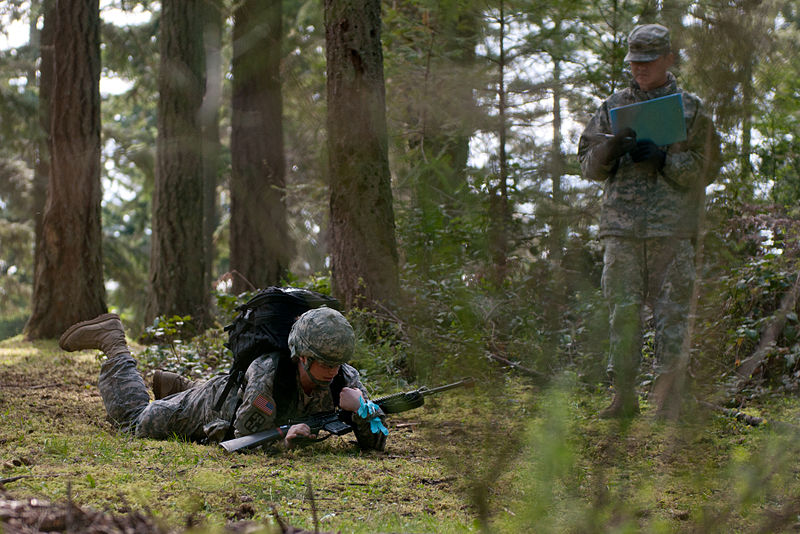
(609, 136)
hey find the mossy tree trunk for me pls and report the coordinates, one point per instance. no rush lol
(68, 280)
(362, 230)
(177, 261)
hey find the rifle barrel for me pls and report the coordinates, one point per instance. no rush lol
(466, 382)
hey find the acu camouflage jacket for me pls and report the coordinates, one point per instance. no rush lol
(639, 200)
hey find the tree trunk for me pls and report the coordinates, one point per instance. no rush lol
(363, 246)
(177, 262)
(209, 122)
(746, 148)
(499, 216)
(557, 226)
(260, 244)
(68, 282)
(558, 207)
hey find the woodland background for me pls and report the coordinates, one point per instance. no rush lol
(416, 159)
(424, 169)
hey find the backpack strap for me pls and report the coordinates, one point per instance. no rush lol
(235, 377)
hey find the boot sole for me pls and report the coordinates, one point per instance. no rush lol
(73, 328)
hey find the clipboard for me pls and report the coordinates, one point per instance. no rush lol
(660, 120)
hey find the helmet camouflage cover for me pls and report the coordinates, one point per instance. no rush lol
(322, 334)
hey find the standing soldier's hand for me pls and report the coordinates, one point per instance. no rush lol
(617, 146)
(647, 150)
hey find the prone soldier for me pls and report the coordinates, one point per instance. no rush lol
(276, 388)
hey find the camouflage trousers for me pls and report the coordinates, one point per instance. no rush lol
(127, 402)
(656, 271)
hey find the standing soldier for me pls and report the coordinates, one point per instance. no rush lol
(653, 196)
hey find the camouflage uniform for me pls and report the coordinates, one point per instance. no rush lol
(190, 414)
(648, 223)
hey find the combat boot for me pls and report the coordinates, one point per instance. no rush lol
(104, 333)
(166, 383)
(625, 404)
(666, 393)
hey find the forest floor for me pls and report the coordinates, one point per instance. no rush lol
(509, 458)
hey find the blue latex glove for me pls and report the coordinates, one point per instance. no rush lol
(369, 410)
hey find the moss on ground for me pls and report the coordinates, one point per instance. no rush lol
(502, 457)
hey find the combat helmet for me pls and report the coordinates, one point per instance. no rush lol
(324, 335)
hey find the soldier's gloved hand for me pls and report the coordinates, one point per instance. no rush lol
(648, 151)
(349, 399)
(615, 147)
(296, 434)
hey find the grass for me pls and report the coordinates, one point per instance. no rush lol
(503, 457)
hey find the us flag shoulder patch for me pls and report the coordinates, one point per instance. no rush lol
(264, 404)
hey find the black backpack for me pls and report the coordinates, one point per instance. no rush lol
(263, 325)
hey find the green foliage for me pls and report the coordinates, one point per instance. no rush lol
(753, 266)
(11, 325)
(709, 474)
(16, 268)
(175, 345)
(319, 282)
(383, 355)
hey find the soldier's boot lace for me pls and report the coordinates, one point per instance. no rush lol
(625, 404)
(166, 383)
(104, 333)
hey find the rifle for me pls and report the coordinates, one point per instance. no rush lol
(336, 422)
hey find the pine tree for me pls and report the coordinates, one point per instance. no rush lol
(363, 247)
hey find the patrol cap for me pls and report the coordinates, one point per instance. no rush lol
(322, 334)
(648, 42)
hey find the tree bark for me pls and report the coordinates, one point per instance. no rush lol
(260, 243)
(557, 236)
(177, 262)
(499, 210)
(363, 247)
(209, 122)
(68, 282)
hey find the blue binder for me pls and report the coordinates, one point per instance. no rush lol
(660, 120)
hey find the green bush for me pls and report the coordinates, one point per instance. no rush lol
(12, 325)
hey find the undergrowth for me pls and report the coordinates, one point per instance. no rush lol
(505, 456)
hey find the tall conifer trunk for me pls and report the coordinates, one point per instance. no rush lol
(363, 247)
(177, 261)
(68, 280)
(260, 243)
(499, 209)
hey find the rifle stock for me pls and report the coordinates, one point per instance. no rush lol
(332, 422)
